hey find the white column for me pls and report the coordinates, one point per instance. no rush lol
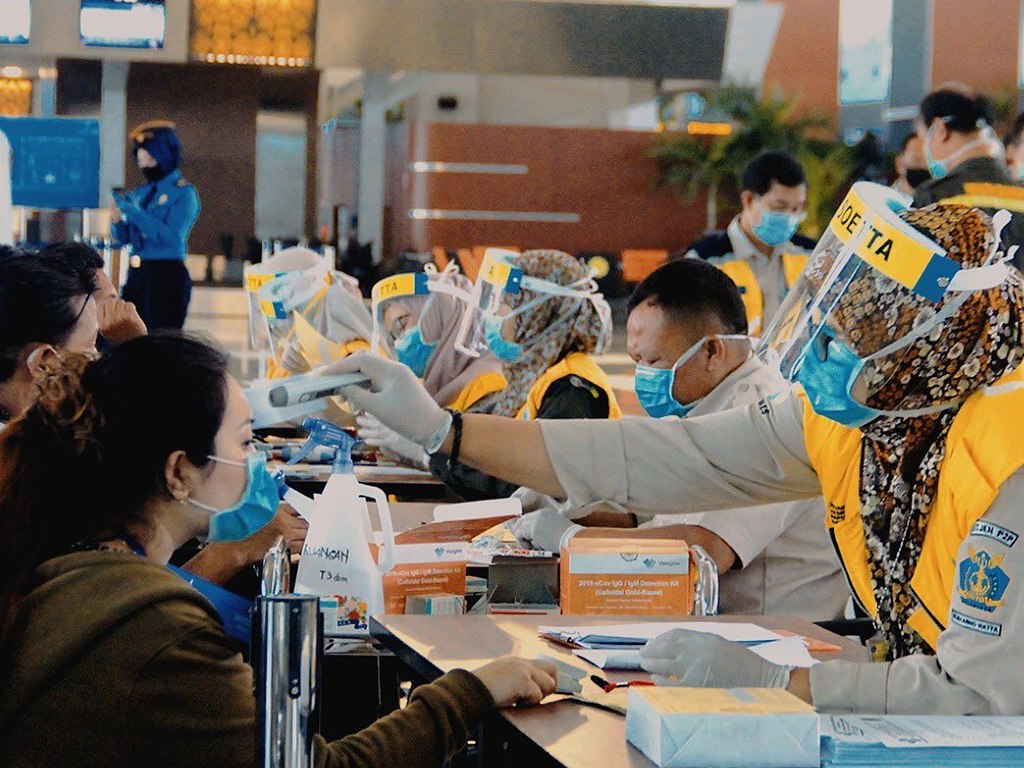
(372, 145)
(113, 128)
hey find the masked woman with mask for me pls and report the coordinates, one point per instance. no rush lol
(547, 322)
(97, 635)
(965, 158)
(155, 220)
(906, 334)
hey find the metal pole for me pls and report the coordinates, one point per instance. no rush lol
(287, 648)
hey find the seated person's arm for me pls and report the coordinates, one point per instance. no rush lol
(220, 561)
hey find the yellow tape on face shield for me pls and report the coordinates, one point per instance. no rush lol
(896, 250)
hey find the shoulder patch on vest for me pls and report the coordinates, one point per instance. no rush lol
(990, 628)
(183, 182)
(1004, 536)
(982, 583)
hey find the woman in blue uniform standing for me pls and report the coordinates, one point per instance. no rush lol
(155, 219)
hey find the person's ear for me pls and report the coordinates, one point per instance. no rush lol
(942, 131)
(41, 361)
(180, 475)
(714, 349)
(746, 199)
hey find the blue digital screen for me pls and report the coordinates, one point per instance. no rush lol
(15, 21)
(123, 23)
(55, 161)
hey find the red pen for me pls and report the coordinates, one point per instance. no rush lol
(607, 687)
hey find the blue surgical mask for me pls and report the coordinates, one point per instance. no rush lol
(654, 387)
(827, 372)
(776, 228)
(413, 351)
(254, 509)
(503, 349)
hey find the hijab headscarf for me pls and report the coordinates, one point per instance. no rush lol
(901, 457)
(549, 331)
(449, 371)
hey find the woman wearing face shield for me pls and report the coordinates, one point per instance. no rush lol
(303, 313)
(547, 322)
(155, 219)
(97, 635)
(906, 335)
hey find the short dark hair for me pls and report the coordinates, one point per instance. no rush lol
(960, 108)
(759, 173)
(36, 290)
(78, 256)
(689, 287)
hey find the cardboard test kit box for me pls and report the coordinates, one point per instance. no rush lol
(644, 577)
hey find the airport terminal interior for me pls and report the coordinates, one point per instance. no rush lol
(571, 383)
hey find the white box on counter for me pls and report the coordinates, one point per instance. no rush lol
(722, 727)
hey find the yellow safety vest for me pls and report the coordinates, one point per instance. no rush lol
(980, 194)
(753, 297)
(983, 449)
(574, 364)
(477, 389)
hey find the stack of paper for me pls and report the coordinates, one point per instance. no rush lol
(722, 728)
(882, 741)
(789, 651)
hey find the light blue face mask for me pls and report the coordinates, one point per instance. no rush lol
(413, 351)
(254, 509)
(776, 228)
(502, 348)
(940, 168)
(827, 372)
(654, 387)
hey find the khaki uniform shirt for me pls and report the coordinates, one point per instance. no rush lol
(756, 455)
(785, 562)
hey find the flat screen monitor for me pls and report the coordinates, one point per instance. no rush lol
(55, 161)
(15, 21)
(123, 23)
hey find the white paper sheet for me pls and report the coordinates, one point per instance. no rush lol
(640, 633)
(789, 651)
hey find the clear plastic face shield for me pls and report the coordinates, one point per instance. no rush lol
(871, 273)
(491, 306)
(275, 298)
(397, 304)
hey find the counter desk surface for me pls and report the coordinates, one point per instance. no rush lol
(572, 735)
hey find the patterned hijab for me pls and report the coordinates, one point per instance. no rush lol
(902, 457)
(549, 331)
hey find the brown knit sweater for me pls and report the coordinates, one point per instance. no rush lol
(112, 661)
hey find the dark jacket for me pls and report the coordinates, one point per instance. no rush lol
(112, 661)
(570, 397)
(955, 187)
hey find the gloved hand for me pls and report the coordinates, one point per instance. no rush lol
(395, 396)
(533, 501)
(372, 432)
(545, 529)
(691, 659)
(292, 357)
